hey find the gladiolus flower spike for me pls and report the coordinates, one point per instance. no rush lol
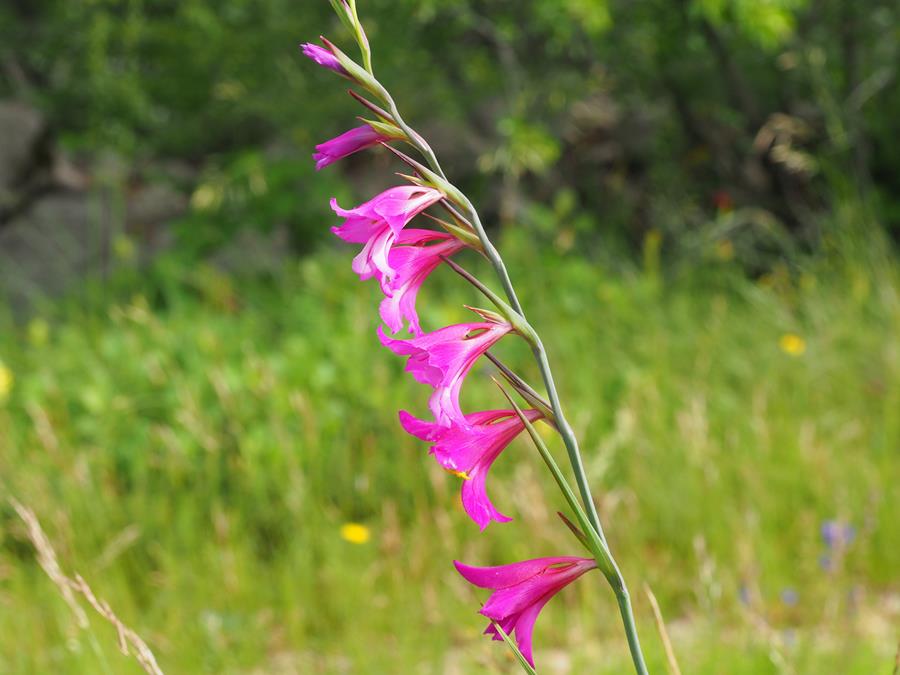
(470, 451)
(467, 445)
(520, 592)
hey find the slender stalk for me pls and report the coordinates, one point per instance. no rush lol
(594, 542)
(565, 430)
(568, 437)
(671, 659)
(496, 261)
(490, 251)
(634, 644)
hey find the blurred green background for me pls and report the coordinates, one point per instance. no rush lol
(700, 203)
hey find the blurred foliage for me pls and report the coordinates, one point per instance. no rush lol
(219, 458)
(645, 110)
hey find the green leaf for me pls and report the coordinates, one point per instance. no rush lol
(597, 546)
(574, 529)
(515, 649)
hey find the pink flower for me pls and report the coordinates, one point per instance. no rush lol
(324, 58)
(470, 451)
(412, 265)
(520, 592)
(378, 222)
(346, 144)
(443, 358)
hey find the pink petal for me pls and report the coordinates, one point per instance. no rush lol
(414, 237)
(323, 57)
(516, 598)
(476, 502)
(523, 589)
(346, 144)
(419, 428)
(413, 265)
(504, 576)
(524, 627)
(443, 358)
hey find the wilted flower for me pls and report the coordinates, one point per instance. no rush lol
(470, 450)
(443, 358)
(346, 144)
(324, 58)
(520, 592)
(412, 264)
(378, 222)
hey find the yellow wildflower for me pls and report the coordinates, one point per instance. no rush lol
(355, 533)
(792, 344)
(6, 382)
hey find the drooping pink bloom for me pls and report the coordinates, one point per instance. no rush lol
(324, 58)
(470, 451)
(443, 358)
(378, 222)
(520, 592)
(346, 144)
(412, 263)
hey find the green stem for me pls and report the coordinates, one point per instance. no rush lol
(490, 251)
(568, 436)
(565, 430)
(594, 543)
(634, 644)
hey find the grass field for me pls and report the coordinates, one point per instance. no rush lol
(195, 450)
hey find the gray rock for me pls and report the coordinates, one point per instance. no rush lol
(21, 131)
(45, 250)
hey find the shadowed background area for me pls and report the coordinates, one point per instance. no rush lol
(699, 201)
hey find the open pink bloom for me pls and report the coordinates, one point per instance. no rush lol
(443, 358)
(324, 58)
(412, 264)
(378, 222)
(520, 592)
(346, 144)
(470, 451)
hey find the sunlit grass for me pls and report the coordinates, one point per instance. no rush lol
(221, 460)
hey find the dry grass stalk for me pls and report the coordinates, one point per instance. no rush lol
(663, 632)
(130, 643)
